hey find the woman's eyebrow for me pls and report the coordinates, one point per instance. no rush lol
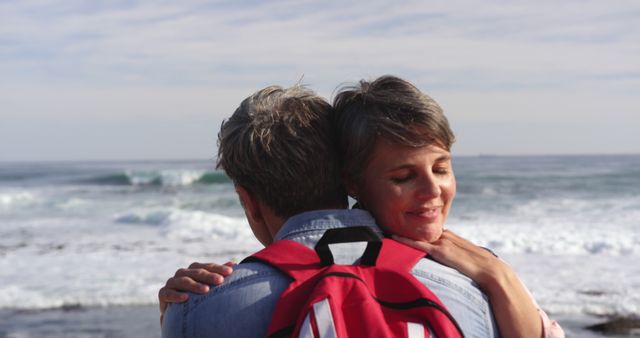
(401, 167)
(443, 158)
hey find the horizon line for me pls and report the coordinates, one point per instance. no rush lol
(141, 160)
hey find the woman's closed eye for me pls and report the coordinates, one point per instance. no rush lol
(398, 179)
(441, 170)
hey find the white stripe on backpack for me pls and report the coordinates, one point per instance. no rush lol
(324, 319)
(415, 330)
(306, 331)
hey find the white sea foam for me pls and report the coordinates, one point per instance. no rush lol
(75, 204)
(190, 225)
(555, 225)
(581, 284)
(9, 199)
(197, 225)
(115, 241)
(180, 178)
(170, 178)
(122, 264)
(550, 239)
(153, 217)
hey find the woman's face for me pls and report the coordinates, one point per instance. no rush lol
(408, 190)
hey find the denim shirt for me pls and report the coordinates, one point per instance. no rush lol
(242, 306)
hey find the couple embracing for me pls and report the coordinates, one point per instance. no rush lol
(294, 158)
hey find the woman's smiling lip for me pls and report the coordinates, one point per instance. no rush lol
(430, 213)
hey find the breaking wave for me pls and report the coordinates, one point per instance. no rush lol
(171, 178)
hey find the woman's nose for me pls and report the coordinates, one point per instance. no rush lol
(428, 187)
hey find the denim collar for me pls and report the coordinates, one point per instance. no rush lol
(325, 219)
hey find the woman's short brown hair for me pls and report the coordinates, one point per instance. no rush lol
(388, 108)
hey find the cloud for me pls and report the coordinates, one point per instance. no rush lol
(214, 43)
(494, 59)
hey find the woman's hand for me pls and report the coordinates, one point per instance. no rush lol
(515, 311)
(475, 262)
(196, 279)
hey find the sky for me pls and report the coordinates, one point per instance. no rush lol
(143, 80)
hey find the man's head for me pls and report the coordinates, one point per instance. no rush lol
(279, 146)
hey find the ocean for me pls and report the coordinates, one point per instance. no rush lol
(95, 241)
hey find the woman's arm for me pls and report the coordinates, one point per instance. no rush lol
(514, 309)
(196, 279)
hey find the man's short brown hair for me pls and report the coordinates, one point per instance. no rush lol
(389, 108)
(280, 145)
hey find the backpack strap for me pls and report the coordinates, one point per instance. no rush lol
(299, 262)
(401, 257)
(349, 235)
(392, 254)
(291, 258)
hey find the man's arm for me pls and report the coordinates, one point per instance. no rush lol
(241, 307)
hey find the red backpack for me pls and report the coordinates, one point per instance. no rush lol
(377, 298)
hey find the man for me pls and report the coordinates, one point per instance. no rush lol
(278, 149)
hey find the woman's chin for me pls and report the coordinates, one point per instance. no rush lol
(430, 233)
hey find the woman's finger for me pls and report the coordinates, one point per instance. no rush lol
(168, 295)
(187, 283)
(202, 276)
(223, 270)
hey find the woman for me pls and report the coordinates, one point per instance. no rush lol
(395, 142)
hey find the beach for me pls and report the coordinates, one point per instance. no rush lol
(77, 322)
(85, 246)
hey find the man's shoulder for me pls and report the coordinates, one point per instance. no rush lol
(248, 281)
(240, 307)
(245, 274)
(449, 280)
(460, 295)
